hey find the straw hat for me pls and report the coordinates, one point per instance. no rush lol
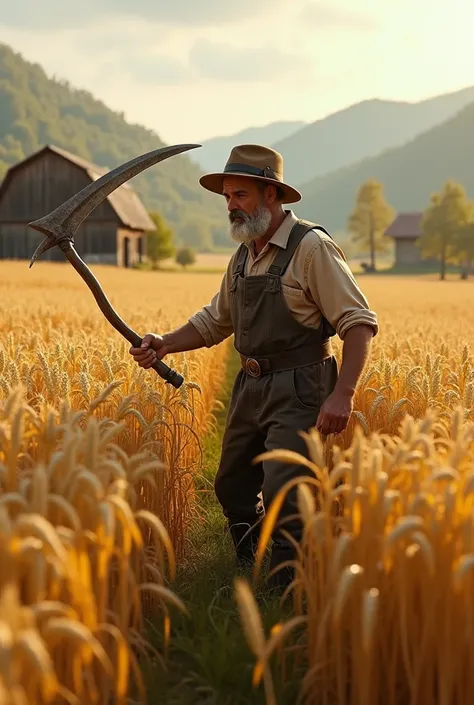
(258, 162)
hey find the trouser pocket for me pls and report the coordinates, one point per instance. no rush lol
(306, 386)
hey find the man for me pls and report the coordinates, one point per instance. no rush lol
(286, 291)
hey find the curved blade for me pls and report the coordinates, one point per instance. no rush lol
(64, 221)
(47, 244)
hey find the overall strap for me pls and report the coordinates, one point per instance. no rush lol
(297, 233)
(240, 260)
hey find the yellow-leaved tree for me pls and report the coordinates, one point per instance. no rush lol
(370, 218)
(445, 226)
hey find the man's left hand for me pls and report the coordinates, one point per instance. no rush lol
(335, 413)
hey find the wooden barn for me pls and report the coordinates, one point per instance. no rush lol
(114, 233)
(406, 231)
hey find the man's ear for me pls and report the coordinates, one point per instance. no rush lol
(271, 193)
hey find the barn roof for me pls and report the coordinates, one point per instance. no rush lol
(124, 200)
(405, 226)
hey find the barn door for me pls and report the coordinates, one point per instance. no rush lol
(126, 251)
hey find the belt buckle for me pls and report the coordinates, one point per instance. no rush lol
(252, 367)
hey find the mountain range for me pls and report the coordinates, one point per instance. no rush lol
(215, 151)
(342, 138)
(412, 148)
(409, 174)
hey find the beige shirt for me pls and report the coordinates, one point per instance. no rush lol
(317, 281)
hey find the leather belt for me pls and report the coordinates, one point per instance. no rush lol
(258, 366)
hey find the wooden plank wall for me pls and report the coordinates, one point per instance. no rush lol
(42, 185)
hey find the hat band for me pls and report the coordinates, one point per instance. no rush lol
(252, 170)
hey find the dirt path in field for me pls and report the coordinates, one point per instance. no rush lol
(209, 661)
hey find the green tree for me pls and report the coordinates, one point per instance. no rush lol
(185, 256)
(370, 218)
(444, 224)
(159, 241)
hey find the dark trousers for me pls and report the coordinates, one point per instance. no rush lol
(266, 413)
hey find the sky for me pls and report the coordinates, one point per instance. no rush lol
(195, 69)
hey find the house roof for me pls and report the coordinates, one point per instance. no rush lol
(124, 200)
(405, 226)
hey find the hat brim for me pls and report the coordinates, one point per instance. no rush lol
(214, 183)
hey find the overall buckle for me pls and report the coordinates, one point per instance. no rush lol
(252, 367)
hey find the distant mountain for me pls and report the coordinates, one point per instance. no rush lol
(363, 130)
(215, 151)
(36, 110)
(409, 174)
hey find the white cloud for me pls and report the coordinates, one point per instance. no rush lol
(322, 15)
(231, 63)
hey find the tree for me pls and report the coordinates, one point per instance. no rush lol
(159, 241)
(444, 224)
(185, 256)
(370, 218)
(465, 248)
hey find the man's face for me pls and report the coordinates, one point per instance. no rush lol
(248, 207)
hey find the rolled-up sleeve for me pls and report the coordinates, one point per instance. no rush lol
(335, 291)
(214, 321)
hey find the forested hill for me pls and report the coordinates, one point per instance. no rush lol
(36, 110)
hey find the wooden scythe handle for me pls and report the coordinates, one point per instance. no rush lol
(170, 376)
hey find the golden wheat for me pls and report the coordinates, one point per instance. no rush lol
(383, 588)
(76, 553)
(56, 342)
(97, 459)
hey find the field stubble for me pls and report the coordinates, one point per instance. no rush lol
(97, 460)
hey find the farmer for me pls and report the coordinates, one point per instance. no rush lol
(286, 291)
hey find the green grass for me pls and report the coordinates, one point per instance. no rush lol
(209, 661)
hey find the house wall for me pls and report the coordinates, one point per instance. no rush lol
(407, 251)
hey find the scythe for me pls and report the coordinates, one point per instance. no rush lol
(61, 224)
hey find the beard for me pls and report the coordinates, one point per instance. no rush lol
(251, 226)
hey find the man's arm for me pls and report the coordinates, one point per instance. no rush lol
(207, 327)
(337, 409)
(335, 291)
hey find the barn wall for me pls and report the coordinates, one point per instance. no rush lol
(39, 186)
(18, 241)
(407, 252)
(128, 240)
(94, 242)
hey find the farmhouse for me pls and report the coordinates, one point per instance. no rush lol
(406, 231)
(114, 233)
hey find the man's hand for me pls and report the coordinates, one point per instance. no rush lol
(335, 413)
(153, 347)
(337, 409)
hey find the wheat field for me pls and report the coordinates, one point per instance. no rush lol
(97, 462)
(383, 591)
(97, 459)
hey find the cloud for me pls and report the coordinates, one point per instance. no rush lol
(156, 70)
(55, 14)
(320, 15)
(233, 63)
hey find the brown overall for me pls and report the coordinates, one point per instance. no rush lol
(288, 370)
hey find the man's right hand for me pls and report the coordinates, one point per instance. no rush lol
(152, 348)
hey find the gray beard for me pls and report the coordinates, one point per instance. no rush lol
(252, 227)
